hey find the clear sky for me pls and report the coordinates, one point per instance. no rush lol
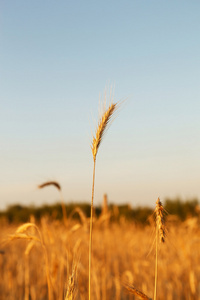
(57, 57)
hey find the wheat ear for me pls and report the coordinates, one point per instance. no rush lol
(102, 126)
(54, 183)
(58, 186)
(160, 230)
(160, 221)
(132, 290)
(71, 286)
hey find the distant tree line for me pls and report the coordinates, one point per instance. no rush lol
(20, 214)
(182, 209)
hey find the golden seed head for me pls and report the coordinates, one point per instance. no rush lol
(102, 125)
(160, 222)
(54, 183)
(132, 290)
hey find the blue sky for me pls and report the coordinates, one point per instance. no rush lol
(57, 57)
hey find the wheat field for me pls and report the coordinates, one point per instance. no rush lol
(96, 258)
(123, 253)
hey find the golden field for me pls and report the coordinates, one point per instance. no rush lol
(95, 258)
(49, 260)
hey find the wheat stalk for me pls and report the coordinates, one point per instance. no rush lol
(100, 131)
(160, 229)
(58, 186)
(21, 233)
(27, 270)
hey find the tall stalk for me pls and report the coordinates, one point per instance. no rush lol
(102, 125)
(156, 265)
(91, 220)
(160, 233)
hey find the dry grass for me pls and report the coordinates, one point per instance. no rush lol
(30, 232)
(120, 253)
